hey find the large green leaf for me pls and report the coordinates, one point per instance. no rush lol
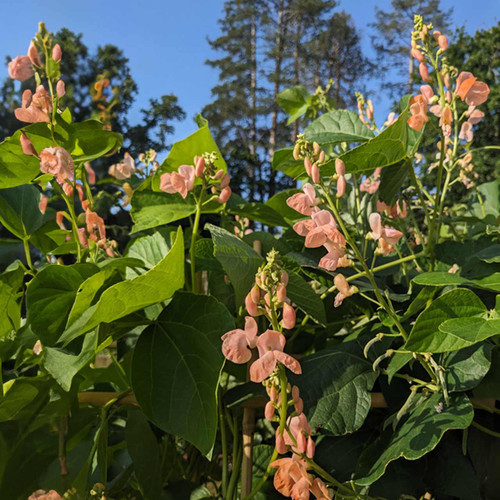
(150, 249)
(91, 141)
(152, 209)
(337, 126)
(464, 369)
(50, 297)
(239, 261)
(196, 144)
(301, 293)
(335, 385)
(284, 161)
(254, 211)
(392, 179)
(19, 211)
(426, 335)
(419, 433)
(145, 454)
(154, 286)
(278, 204)
(294, 101)
(387, 148)
(176, 367)
(464, 332)
(440, 278)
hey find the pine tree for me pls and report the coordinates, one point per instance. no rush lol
(392, 41)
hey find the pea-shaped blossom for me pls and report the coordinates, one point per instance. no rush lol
(35, 107)
(291, 470)
(270, 346)
(387, 236)
(321, 230)
(236, 344)
(21, 68)
(58, 162)
(470, 90)
(344, 290)
(180, 182)
(124, 169)
(304, 203)
(418, 110)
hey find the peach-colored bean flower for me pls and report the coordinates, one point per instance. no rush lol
(424, 72)
(290, 471)
(225, 194)
(35, 107)
(236, 344)
(57, 162)
(319, 490)
(340, 171)
(387, 236)
(371, 184)
(470, 90)
(95, 223)
(475, 115)
(123, 170)
(180, 182)
(399, 209)
(442, 42)
(45, 495)
(344, 290)
(466, 132)
(270, 346)
(445, 120)
(90, 172)
(289, 316)
(300, 431)
(427, 92)
(21, 68)
(304, 203)
(418, 110)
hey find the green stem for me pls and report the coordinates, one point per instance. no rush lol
(26, 246)
(486, 430)
(194, 234)
(224, 446)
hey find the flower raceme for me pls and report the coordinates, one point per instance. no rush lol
(386, 236)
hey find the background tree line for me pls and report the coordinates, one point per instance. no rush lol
(265, 47)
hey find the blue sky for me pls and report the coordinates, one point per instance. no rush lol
(166, 40)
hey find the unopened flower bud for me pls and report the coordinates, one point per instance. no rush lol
(341, 185)
(284, 278)
(310, 447)
(27, 145)
(34, 56)
(289, 316)
(225, 195)
(224, 182)
(269, 410)
(339, 166)
(315, 174)
(251, 306)
(60, 219)
(267, 300)
(142, 157)
(417, 55)
(68, 190)
(369, 109)
(43, 203)
(273, 394)
(255, 294)
(200, 166)
(299, 406)
(301, 442)
(281, 292)
(56, 52)
(60, 88)
(296, 152)
(295, 393)
(436, 34)
(280, 443)
(443, 42)
(321, 157)
(316, 148)
(424, 72)
(308, 166)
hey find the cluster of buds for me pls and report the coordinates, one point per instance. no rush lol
(467, 174)
(105, 101)
(339, 177)
(365, 110)
(94, 234)
(242, 226)
(312, 155)
(268, 294)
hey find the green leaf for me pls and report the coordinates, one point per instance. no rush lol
(392, 179)
(464, 369)
(278, 204)
(239, 261)
(145, 454)
(50, 297)
(387, 148)
(294, 101)
(426, 336)
(307, 300)
(150, 249)
(196, 144)
(440, 278)
(284, 161)
(255, 211)
(126, 297)
(335, 385)
(176, 367)
(337, 126)
(17, 395)
(151, 209)
(418, 434)
(396, 362)
(91, 141)
(490, 385)
(464, 332)
(19, 211)
(63, 366)
(490, 254)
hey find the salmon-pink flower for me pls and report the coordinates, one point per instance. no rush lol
(470, 90)
(442, 42)
(344, 290)
(319, 490)
(224, 182)
(391, 118)
(60, 220)
(300, 490)
(424, 72)
(224, 196)
(270, 346)
(466, 132)
(446, 120)
(57, 162)
(289, 317)
(340, 171)
(21, 68)
(371, 184)
(35, 107)
(475, 115)
(387, 236)
(45, 495)
(290, 471)
(27, 145)
(418, 110)
(399, 209)
(82, 236)
(427, 93)
(123, 170)
(299, 431)
(90, 172)
(304, 203)
(33, 55)
(95, 223)
(180, 182)
(236, 344)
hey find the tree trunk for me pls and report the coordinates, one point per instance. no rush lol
(278, 58)
(296, 74)
(253, 104)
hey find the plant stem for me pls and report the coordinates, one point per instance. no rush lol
(26, 246)
(224, 446)
(485, 429)
(194, 233)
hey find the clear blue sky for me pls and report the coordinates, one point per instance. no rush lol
(166, 40)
